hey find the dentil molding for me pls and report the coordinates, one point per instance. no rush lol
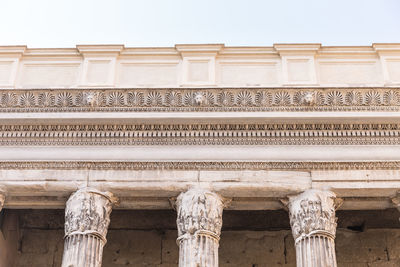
(200, 134)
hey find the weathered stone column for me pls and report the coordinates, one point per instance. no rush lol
(199, 225)
(396, 201)
(87, 216)
(2, 200)
(313, 222)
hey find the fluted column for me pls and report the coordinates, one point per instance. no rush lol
(87, 216)
(199, 225)
(313, 222)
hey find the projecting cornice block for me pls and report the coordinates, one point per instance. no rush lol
(198, 64)
(99, 64)
(9, 61)
(390, 61)
(298, 63)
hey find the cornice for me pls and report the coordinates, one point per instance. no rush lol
(348, 53)
(12, 51)
(149, 51)
(387, 48)
(200, 99)
(248, 51)
(300, 49)
(99, 50)
(193, 49)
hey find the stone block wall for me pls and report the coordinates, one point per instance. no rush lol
(9, 238)
(147, 239)
(372, 248)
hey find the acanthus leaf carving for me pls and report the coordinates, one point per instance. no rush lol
(199, 209)
(88, 212)
(313, 212)
(199, 222)
(2, 199)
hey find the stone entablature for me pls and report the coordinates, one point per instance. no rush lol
(253, 123)
(116, 66)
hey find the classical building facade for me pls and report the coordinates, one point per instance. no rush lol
(200, 155)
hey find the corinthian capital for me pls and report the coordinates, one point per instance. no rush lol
(2, 200)
(199, 210)
(396, 200)
(313, 212)
(88, 212)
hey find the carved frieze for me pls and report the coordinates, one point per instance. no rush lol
(206, 99)
(199, 165)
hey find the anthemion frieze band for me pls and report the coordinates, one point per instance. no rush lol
(200, 155)
(201, 99)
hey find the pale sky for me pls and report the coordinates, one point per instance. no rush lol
(65, 23)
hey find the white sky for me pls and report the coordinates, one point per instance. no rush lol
(65, 23)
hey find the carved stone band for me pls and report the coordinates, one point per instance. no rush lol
(87, 216)
(205, 99)
(199, 225)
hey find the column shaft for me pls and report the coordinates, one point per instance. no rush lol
(87, 216)
(83, 250)
(316, 250)
(198, 249)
